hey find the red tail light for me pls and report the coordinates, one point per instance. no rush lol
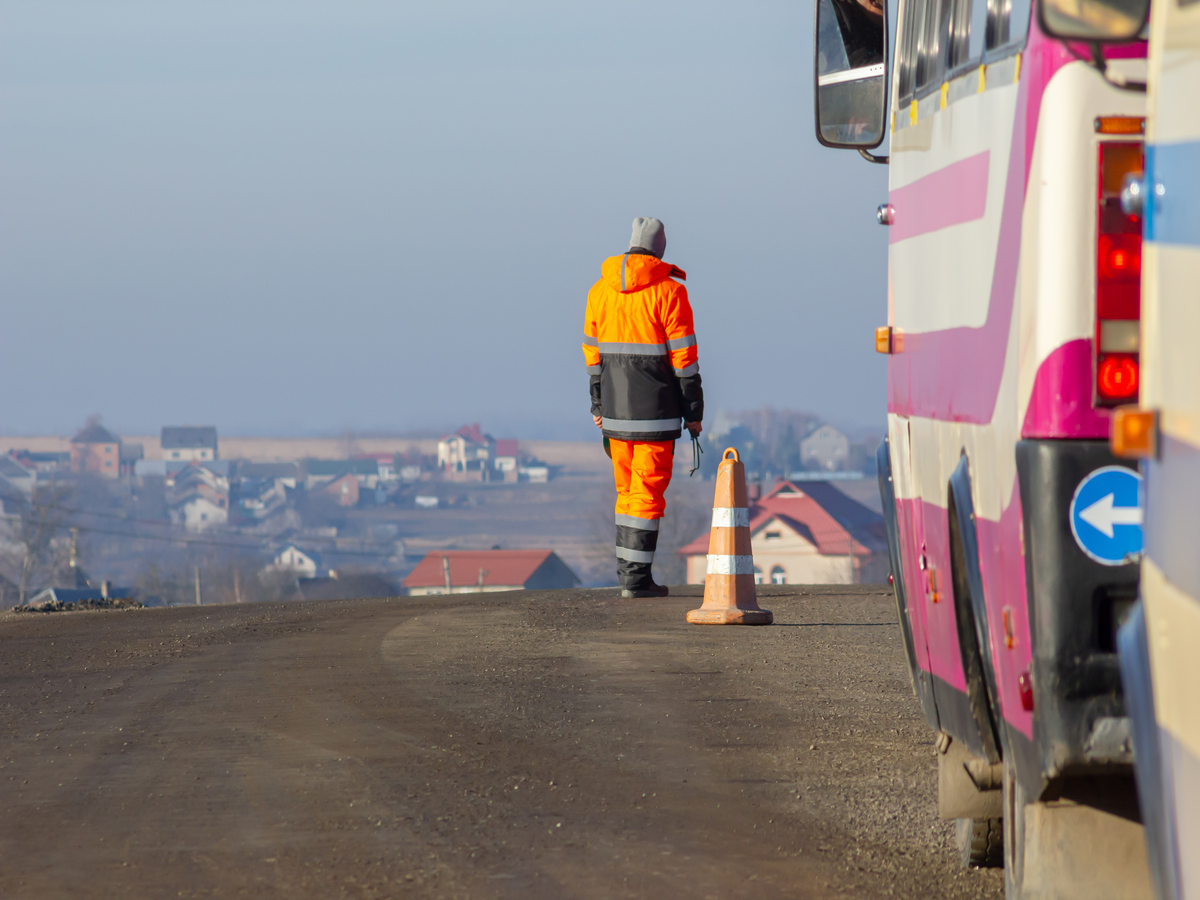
(1025, 690)
(1118, 277)
(1120, 257)
(1117, 377)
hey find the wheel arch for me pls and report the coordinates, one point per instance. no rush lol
(970, 613)
(887, 491)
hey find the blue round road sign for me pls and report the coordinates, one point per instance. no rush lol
(1106, 515)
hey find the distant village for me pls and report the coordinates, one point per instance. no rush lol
(184, 524)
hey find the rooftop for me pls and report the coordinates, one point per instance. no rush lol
(247, 469)
(10, 468)
(189, 437)
(472, 432)
(95, 434)
(340, 467)
(508, 568)
(833, 522)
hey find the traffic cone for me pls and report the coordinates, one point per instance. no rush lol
(729, 595)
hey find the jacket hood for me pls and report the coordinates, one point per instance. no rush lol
(641, 272)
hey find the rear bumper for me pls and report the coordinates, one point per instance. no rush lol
(1080, 724)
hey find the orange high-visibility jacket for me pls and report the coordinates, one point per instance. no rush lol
(639, 346)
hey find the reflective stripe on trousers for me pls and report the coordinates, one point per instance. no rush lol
(641, 472)
(637, 538)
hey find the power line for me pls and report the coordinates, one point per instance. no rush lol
(378, 554)
(158, 523)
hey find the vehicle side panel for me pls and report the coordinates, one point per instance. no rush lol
(992, 312)
(1170, 587)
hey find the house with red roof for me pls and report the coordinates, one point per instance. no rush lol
(814, 535)
(96, 450)
(467, 454)
(507, 458)
(471, 455)
(484, 571)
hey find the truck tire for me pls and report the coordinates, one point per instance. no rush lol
(980, 842)
(1015, 802)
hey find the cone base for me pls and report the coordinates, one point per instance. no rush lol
(730, 616)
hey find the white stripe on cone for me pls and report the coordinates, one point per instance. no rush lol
(730, 565)
(730, 517)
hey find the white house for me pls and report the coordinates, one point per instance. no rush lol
(286, 473)
(21, 477)
(535, 472)
(187, 443)
(814, 535)
(385, 468)
(198, 495)
(260, 498)
(507, 459)
(825, 448)
(364, 469)
(304, 563)
(198, 512)
(467, 454)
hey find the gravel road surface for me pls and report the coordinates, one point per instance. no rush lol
(542, 744)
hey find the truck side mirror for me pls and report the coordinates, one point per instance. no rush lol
(1093, 20)
(851, 73)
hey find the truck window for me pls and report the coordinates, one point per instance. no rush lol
(968, 28)
(978, 32)
(931, 50)
(1008, 23)
(940, 36)
(914, 11)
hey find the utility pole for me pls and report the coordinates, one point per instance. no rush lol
(73, 563)
(237, 591)
(446, 572)
(199, 602)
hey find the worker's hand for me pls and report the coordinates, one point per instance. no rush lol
(694, 427)
(599, 421)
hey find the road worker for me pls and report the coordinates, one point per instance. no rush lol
(639, 346)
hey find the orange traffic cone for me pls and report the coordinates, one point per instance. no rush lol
(729, 595)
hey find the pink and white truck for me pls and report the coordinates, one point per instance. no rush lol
(1013, 308)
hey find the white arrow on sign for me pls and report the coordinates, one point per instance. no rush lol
(1103, 515)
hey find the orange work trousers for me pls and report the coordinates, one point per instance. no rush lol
(642, 472)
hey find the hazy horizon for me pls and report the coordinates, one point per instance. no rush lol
(312, 218)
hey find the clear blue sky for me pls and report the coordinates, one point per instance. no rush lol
(307, 217)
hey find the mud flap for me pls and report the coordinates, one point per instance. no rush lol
(1078, 852)
(959, 797)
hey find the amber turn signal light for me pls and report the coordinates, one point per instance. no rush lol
(883, 339)
(1120, 125)
(1134, 432)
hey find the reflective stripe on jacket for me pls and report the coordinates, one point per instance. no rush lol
(640, 350)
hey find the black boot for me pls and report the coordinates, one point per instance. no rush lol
(637, 582)
(650, 590)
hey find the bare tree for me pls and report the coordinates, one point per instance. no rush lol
(348, 445)
(778, 433)
(684, 520)
(33, 524)
(225, 578)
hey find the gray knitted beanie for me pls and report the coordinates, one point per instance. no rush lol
(649, 234)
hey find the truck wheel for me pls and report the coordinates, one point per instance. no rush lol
(1015, 802)
(980, 842)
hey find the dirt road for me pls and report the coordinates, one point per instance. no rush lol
(564, 744)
